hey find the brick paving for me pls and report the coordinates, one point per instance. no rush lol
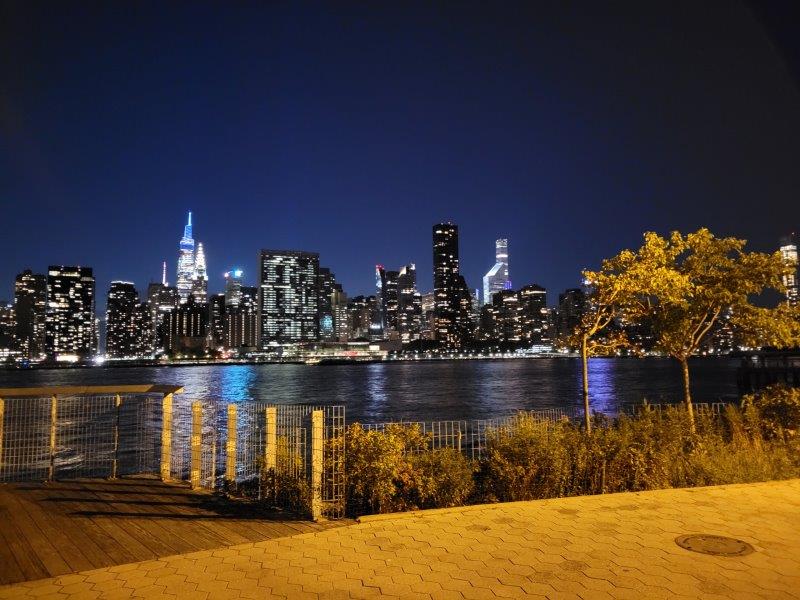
(614, 546)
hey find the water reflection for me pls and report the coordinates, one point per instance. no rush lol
(236, 382)
(424, 390)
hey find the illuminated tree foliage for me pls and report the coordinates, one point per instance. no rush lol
(693, 279)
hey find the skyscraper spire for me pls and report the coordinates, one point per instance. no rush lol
(164, 273)
(186, 262)
(200, 279)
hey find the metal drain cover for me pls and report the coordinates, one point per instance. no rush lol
(715, 545)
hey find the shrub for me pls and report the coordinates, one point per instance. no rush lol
(394, 469)
(778, 408)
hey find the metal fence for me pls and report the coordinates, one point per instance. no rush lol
(292, 454)
(57, 437)
(470, 437)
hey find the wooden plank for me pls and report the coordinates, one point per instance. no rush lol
(54, 532)
(86, 390)
(42, 547)
(10, 571)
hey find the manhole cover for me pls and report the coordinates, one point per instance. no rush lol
(715, 545)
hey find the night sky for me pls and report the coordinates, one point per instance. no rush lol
(350, 129)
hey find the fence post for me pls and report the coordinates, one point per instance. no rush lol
(271, 441)
(317, 421)
(197, 432)
(2, 415)
(230, 447)
(166, 436)
(53, 420)
(117, 403)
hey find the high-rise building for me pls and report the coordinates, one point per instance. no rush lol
(572, 305)
(327, 286)
(390, 304)
(216, 321)
(200, 279)
(30, 306)
(534, 315)
(162, 299)
(129, 328)
(497, 279)
(70, 325)
(288, 309)
(409, 304)
(8, 325)
(379, 315)
(233, 287)
(341, 327)
(185, 281)
(241, 321)
(507, 311)
(447, 284)
(360, 312)
(186, 327)
(789, 254)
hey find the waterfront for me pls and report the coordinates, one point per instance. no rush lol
(434, 390)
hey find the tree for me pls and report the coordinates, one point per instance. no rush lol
(612, 291)
(695, 278)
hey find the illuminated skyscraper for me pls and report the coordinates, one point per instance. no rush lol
(534, 316)
(161, 301)
(200, 278)
(497, 278)
(789, 254)
(233, 287)
(128, 323)
(70, 324)
(288, 306)
(409, 304)
(186, 262)
(451, 295)
(30, 305)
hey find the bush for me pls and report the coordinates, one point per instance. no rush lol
(778, 409)
(395, 469)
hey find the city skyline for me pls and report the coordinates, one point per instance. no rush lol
(541, 138)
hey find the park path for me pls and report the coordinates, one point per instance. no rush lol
(612, 546)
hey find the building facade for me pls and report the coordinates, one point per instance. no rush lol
(534, 316)
(288, 308)
(129, 328)
(241, 331)
(185, 272)
(497, 279)
(409, 304)
(452, 304)
(789, 254)
(70, 325)
(30, 308)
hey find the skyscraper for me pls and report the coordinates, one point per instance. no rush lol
(241, 321)
(409, 306)
(200, 278)
(216, 320)
(30, 305)
(534, 317)
(70, 320)
(497, 278)
(327, 286)
(789, 254)
(161, 301)
(186, 262)
(233, 287)
(128, 323)
(288, 306)
(8, 325)
(451, 294)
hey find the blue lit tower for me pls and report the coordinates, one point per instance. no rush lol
(186, 270)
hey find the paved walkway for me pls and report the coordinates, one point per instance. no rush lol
(615, 546)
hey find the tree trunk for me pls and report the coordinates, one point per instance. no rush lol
(687, 392)
(585, 365)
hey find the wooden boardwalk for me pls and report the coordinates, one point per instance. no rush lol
(49, 529)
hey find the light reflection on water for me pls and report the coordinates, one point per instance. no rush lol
(421, 391)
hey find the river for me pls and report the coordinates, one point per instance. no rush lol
(436, 390)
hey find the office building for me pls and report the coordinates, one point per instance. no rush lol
(186, 328)
(200, 279)
(241, 330)
(185, 274)
(162, 299)
(216, 321)
(30, 307)
(233, 287)
(451, 294)
(288, 308)
(70, 326)
(789, 254)
(129, 331)
(534, 316)
(409, 304)
(497, 279)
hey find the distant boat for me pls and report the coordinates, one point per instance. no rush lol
(312, 361)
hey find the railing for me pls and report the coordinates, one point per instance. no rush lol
(470, 437)
(291, 454)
